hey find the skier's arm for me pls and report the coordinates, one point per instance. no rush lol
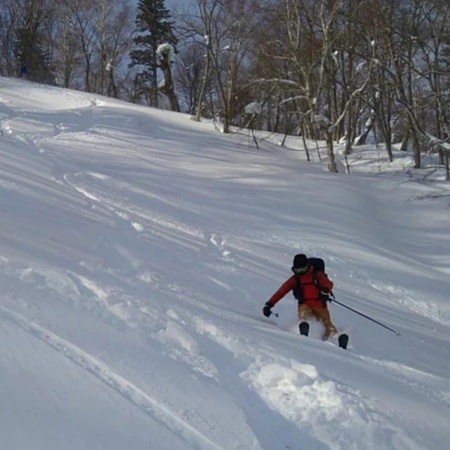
(286, 287)
(324, 281)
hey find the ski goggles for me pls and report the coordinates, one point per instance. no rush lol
(300, 270)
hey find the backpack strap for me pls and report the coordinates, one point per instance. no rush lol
(298, 292)
(322, 296)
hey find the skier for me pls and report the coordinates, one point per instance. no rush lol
(311, 288)
(24, 71)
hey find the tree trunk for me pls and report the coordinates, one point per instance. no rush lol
(331, 157)
(168, 88)
(204, 84)
(447, 170)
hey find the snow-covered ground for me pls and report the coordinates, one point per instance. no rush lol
(137, 249)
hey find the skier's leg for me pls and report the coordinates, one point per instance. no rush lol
(304, 313)
(323, 315)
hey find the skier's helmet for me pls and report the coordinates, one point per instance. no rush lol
(300, 264)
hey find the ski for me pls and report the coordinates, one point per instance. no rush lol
(343, 338)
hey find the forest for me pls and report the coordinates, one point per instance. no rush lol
(347, 71)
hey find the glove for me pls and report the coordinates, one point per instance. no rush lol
(267, 310)
(325, 295)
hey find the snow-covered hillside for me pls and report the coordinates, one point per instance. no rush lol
(137, 249)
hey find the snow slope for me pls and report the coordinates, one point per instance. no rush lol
(137, 249)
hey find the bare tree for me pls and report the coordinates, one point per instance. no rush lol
(115, 33)
(189, 71)
(223, 27)
(434, 43)
(81, 17)
(9, 22)
(206, 15)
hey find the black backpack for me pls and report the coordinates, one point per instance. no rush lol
(319, 266)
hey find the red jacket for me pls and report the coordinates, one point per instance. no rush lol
(309, 289)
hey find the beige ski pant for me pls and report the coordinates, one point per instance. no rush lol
(321, 314)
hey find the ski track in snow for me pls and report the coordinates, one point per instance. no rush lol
(103, 192)
(416, 379)
(120, 384)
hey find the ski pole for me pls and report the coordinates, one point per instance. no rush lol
(367, 317)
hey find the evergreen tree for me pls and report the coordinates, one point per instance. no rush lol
(31, 45)
(155, 28)
(32, 58)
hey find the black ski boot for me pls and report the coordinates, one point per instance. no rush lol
(343, 341)
(304, 328)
